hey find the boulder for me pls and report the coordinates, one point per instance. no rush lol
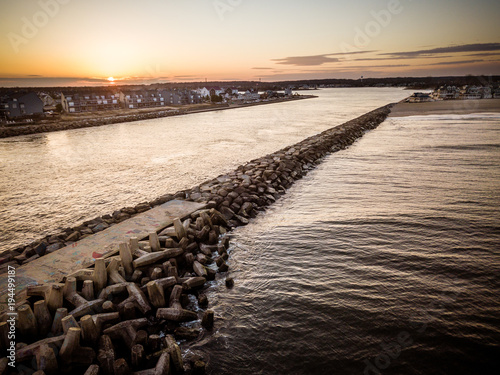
(100, 227)
(226, 212)
(142, 207)
(73, 237)
(54, 247)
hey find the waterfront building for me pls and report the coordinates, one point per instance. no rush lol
(210, 91)
(142, 99)
(470, 92)
(446, 93)
(82, 102)
(420, 97)
(20, 105)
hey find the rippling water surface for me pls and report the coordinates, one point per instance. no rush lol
(385, 259)
(59, 179)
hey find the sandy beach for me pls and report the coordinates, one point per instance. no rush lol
(445, 107)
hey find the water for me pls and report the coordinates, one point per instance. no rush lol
(385, 259)
(56, 180)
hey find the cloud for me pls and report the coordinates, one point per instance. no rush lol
(351, 53)
(95, 80)
(352, 67)
(259, 68)
(306, 60)
(315, 60)
(457, 62)
(478, 47)
(484, 54)
(400, 58)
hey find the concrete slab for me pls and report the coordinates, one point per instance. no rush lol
(52, 268)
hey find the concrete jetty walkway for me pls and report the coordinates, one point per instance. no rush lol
(52, 268)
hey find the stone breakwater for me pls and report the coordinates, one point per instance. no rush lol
(127, 312)
(6, 132)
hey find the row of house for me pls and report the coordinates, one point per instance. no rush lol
(217, 91)
(465, 92)
(75, 103)
(234, 95)
(19, 105)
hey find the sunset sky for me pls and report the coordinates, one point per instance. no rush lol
(74, 42)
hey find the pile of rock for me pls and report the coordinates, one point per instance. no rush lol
(77, 124)
(126, 314)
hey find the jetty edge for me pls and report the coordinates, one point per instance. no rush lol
(126, 310)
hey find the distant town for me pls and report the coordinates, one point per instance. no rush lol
(465, 92)
(31, 105)
(25, 105)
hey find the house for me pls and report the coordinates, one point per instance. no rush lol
(233, 91)
(251, 96)
(20, 104)
(48, 101)
(190, 97)
(83, 102)
(420, 97)
(446, 93)
(272, 94)
(171, 97)
(142, 99)
(470, 92)
(486, 92)
(210, 91)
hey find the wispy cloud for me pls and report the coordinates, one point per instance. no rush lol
(457, 62)
(353, 67)
(400, 58)
(306, 60)
(478, 47)
(484, 54)
(261, 68)
(315, 60)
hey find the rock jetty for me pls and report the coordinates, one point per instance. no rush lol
(13, 131)
(127, 313)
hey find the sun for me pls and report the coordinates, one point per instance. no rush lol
(111, 80)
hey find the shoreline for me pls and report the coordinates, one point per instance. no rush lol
(96, 120)
(140, 292)
(446, 107)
